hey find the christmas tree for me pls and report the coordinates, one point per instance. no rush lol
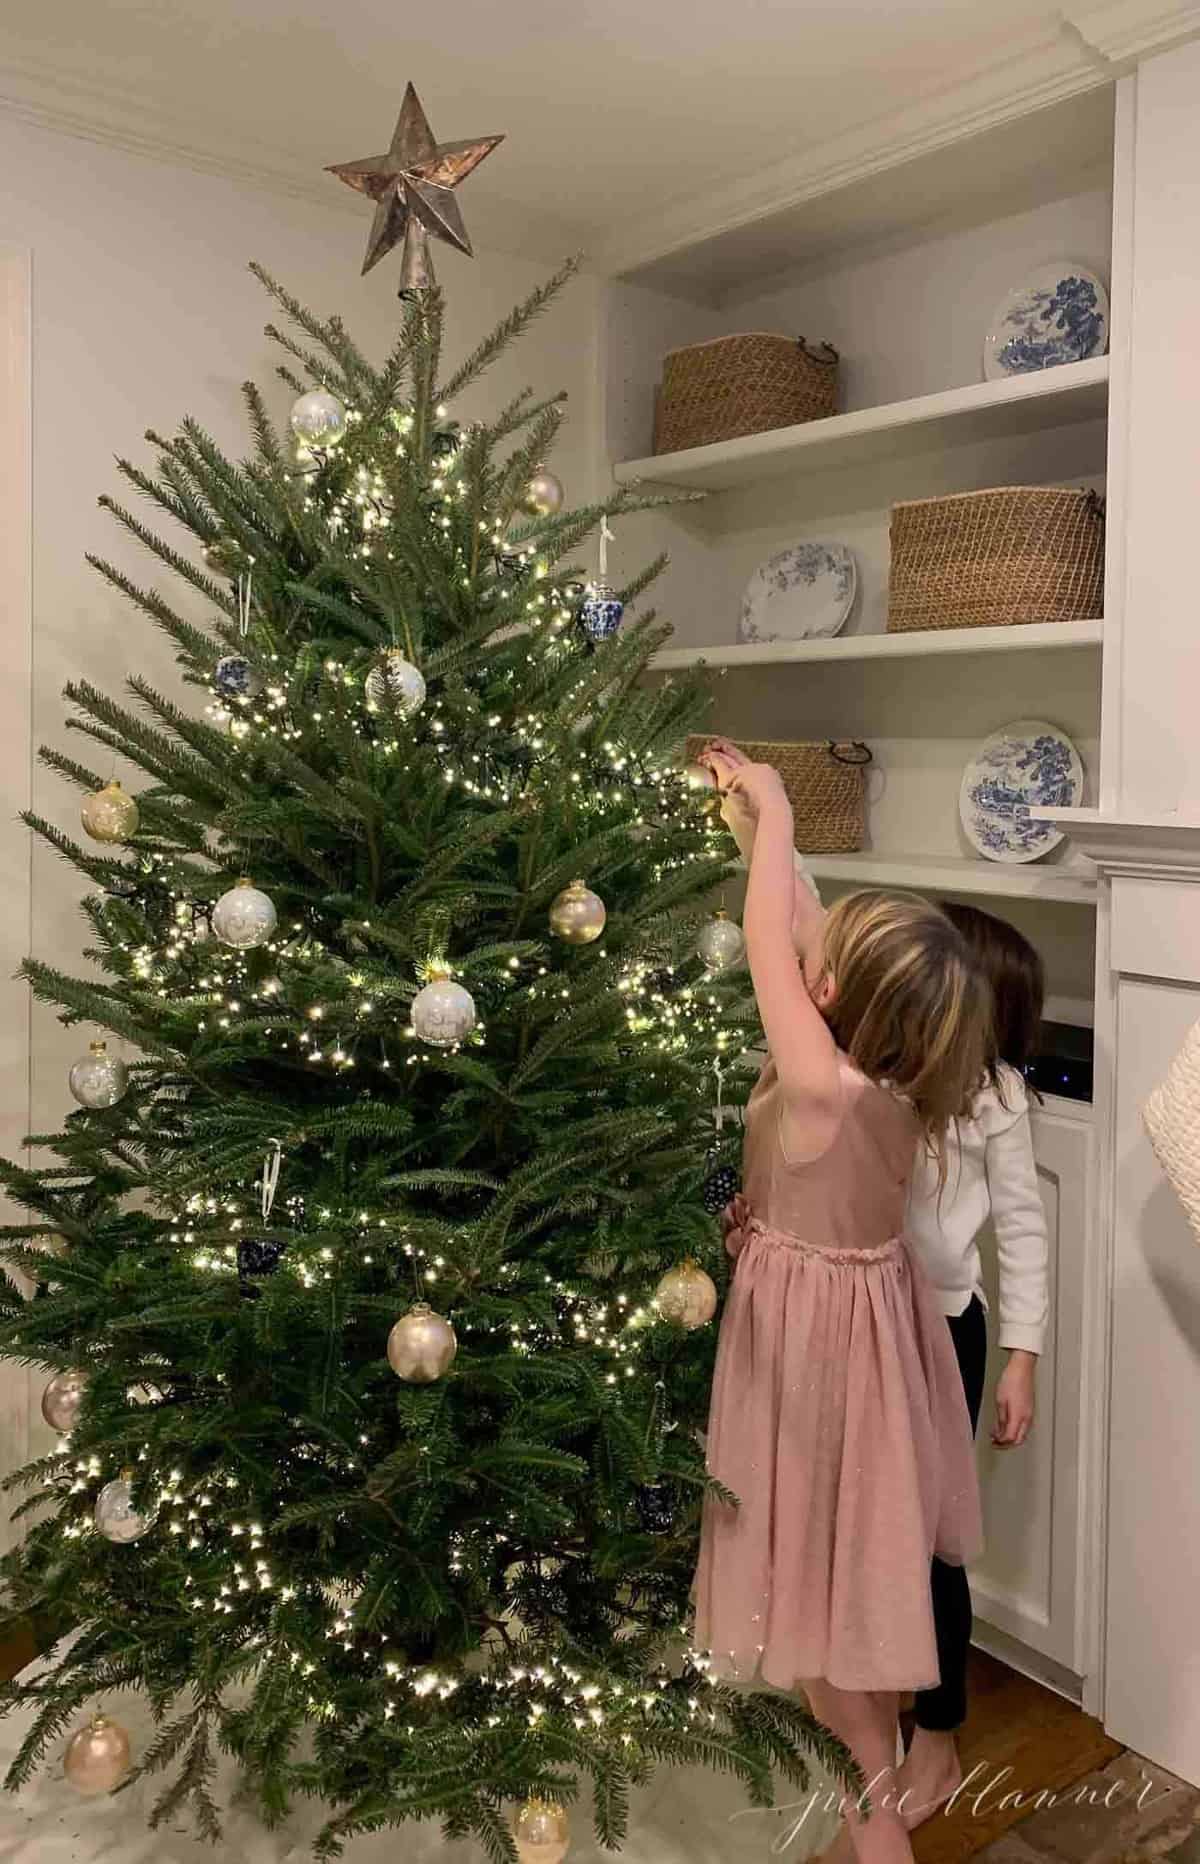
(373, 1284)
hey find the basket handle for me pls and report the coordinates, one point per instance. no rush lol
(828, 361)
(849, 751)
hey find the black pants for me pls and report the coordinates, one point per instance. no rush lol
(945, 1707)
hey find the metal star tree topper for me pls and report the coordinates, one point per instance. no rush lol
(413, 190)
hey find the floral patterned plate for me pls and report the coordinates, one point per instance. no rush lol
(1028, 765)
(1058, 314)
(799, 594)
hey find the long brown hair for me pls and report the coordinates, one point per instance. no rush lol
(1017, 979)
(911, 1006)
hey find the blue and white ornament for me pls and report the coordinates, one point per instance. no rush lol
(601, 610)
(233, 677)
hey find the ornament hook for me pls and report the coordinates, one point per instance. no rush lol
(269, 1183)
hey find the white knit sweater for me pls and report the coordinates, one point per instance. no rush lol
(991, 1173)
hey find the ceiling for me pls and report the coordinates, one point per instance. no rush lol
(623, 119)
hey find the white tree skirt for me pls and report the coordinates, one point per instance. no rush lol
(686, 1816)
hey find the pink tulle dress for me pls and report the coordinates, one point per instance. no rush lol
(837, 1418)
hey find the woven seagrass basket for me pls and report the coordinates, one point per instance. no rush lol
(1018, 554)
(826, 785)
(741, 385)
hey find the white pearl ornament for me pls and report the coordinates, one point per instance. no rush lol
(110, 814)
(97, 1757)
(421, 1345)
(98, 1079)
(244, 917)
(443, 1012)
(317, 419)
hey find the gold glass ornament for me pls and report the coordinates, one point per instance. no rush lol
(541, 1831)
(443, 1012)
(97, 1757)
(577, 914)
(699, 777)
(721, 943)
(544, 494)
(62, 1398)
(98, 1079)
(687, 1295)
(110, 814)
(421, 1345)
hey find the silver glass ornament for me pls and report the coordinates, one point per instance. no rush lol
(600, 611)
(317, 419)
(110, 814)
(116, 1517)
(544, 494)
(721, 943)
(98, 1079)
(62, 1398)
(395, 685)
(421, 1345)
(97, 1756)
(541, 1832)
(243, 917)
(577, 915)
(443, 1012)
(687, 1295)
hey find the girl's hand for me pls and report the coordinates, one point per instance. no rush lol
(760, 788)
(1015, 1400)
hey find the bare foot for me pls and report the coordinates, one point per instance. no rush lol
(930, 1774)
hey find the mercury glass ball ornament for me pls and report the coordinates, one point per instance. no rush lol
(600, 611)
(443, 1012)
(233, 677)
(421, 1345)
(317, 419)
(541, 1832)
(544, 494)
(687, 1296)
(395, 684)
(116, 1517)
(243, 917)
(98, 1079)
(62, 1398)
(577, 915)
(721, 943)
(110, 814)
(97, 1757)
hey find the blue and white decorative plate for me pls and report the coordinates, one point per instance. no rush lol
(799, 594)
(1058, 314)
(1028, 765)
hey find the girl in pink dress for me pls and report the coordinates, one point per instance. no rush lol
(838, 1417)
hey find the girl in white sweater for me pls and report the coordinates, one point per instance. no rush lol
(990, 1174)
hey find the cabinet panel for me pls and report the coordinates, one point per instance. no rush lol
(1027, 1582)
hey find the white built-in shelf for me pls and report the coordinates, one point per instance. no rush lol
(1021, 404)
(959, 874)
(1057, 636)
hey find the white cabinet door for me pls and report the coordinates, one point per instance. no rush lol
(1027, 1583)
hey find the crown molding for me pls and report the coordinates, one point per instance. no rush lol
(69, 106)
(1149, 847)
(1133, 29)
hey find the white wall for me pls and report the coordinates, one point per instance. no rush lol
(143, 311)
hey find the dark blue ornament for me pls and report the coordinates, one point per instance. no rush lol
(655, 1506)
(720, 1187)
(446, 441)
(600, 611)
(256, 1256)
(233, 677)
